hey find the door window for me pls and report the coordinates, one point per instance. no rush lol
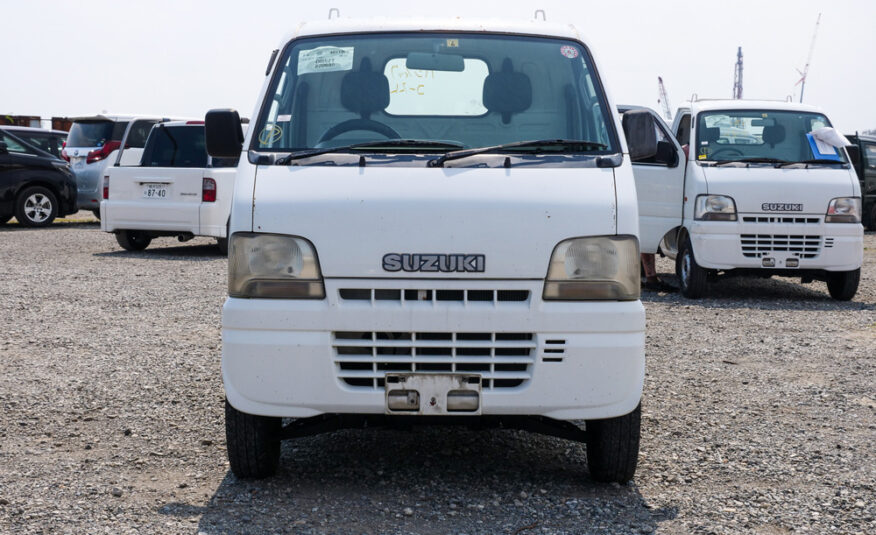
(138, 134)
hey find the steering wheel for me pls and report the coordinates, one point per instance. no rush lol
(736, 152)
(359, 124)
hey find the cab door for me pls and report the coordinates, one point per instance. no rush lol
(660, 190)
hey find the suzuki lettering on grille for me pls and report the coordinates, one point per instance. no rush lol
(435, 263)
(781, 207)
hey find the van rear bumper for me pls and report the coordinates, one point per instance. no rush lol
(281, 357)
(726, 245)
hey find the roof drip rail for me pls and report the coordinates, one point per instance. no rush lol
(336, 11)
(543, 16)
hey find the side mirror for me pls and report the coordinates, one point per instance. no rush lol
(640, 129)
(224, 134)
(3, 148)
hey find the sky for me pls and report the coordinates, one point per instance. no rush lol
(181, 58)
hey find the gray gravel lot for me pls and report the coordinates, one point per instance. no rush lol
(759, 416)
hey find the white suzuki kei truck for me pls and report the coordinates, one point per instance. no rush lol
(432, 223)
(765, 191)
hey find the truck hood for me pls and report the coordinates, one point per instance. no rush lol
(354, 216)
(756, 188)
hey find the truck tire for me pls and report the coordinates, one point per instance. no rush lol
(843, 285)
(613, 447)
(36, 206)
(691, 277)
(96, 213)
(253, 443)
(222, 245)
(133, 240)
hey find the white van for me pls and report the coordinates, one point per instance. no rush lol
(433, 221)
(760, 195)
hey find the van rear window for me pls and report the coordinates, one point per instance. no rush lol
(95, 133)
(176, 146)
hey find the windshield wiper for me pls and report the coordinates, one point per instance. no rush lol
(815, 161)
(752, 160)
(455, 155)
(388, 143)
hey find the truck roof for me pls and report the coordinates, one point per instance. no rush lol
(458, 24)
(733, 104)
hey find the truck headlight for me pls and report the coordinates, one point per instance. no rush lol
(715, 208)
(273, 266)
(844, 210)
(597, 268)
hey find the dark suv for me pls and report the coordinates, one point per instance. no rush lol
(863, 156)
(35, 186)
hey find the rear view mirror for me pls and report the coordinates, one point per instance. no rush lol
(224, 134)
(3, 148)
(640, 129)
(424, 61)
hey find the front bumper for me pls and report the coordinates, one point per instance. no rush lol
(280, 357)
(726, 245)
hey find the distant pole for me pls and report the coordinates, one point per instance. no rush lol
(737, 76)
(663, 99)
(805, 72)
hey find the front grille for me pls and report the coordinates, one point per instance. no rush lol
(760, 245)
(503, 360)
(464, 296)
(782, 219)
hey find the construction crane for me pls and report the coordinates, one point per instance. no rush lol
(663, 99)
(737, 76)
(805, 72)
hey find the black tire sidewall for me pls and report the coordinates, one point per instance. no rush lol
(22, 198)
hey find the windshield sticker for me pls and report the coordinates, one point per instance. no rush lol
(284, 118)
(453, 43)
(325, 59)
(270, 134)
(702, 157)
(569, 51)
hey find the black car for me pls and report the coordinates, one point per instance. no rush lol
(51, 141)
(35, 186)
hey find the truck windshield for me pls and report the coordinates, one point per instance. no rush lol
(456, 90)
(767, 136)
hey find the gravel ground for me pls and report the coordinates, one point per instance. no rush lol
(759, 416)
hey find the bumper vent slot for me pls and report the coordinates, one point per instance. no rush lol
(553, 351)
(460, 296)
(504, 360)
(760, 245)
(781, 219)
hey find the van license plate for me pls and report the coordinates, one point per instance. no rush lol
(433, 394)
(154, 191)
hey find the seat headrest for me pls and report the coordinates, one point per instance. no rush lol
(773, 134)
(365, 91)
(711, 134)
(507, 92)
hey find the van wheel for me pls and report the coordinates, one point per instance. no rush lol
(253, 443)
(613, 447)
(222, 245)
(96, 213)
(133, 240)
(691, 277)
(36, 207)
(843, 285)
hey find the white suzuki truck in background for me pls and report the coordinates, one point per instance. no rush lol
(177, 190)
(433, 222)
(761, 194)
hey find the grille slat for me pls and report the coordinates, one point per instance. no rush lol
(759, 245)
(504, 360)
(781, 219)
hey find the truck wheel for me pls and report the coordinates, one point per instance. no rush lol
(133, 240)
(843, 285)
(613, 447)
(222, 245)
(36, 207)
(691, 277)
(253, 443)
(96, 213)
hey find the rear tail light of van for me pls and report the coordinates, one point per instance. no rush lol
(64, 152)
(103, 152)
(106, 187)
(208, 191)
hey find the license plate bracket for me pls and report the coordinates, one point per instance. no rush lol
(433, 394)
